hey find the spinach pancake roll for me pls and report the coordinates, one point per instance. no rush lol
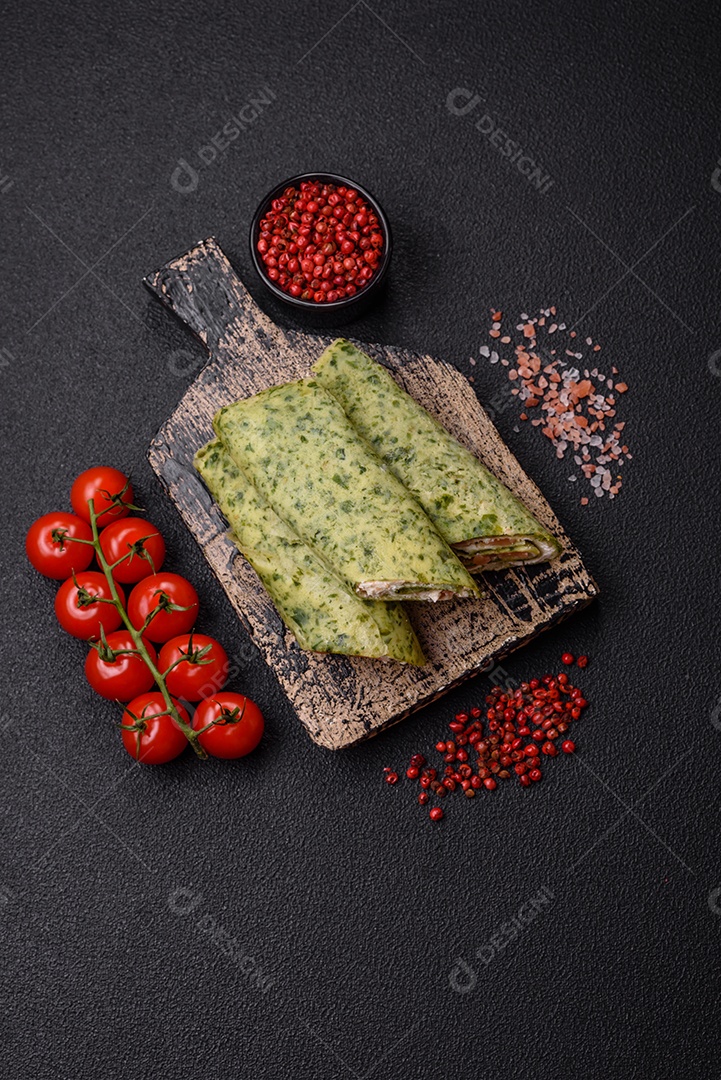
(323, 613)
(302, 453)
(475, 513)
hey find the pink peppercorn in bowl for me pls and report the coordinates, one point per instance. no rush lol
(321, 245)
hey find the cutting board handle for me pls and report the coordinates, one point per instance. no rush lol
(204, 291)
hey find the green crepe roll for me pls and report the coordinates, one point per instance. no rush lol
(304, 456)
(323, 613)
(476, 514)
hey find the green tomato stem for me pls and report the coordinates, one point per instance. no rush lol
(190, 734)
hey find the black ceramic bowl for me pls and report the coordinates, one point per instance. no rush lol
(349, 307)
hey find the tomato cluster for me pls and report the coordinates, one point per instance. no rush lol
(162, 607)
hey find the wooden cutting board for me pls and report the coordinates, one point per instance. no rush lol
(342, 700)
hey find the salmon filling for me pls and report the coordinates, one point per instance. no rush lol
(502, 552)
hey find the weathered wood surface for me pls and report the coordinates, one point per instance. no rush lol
(342, 700)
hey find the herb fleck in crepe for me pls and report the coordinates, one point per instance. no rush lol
(323, 613)
(300, 450)
(474, 512)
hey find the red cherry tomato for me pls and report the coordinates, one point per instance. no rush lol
(119, 678)
(83, 619)
(204, 672)
(177, 600)
(52, 545)
(154, 739)
(108, 488)
(238, 728)
(138, 544)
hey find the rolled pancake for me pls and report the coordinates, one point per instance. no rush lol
(475, 513)
(301, 452)
(323, 613)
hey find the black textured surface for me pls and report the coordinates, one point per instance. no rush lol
(348, 901)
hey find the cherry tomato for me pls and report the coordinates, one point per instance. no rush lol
(50, 546)
(141, 545)
(155, 739)
(119, 678)
(177, 600)
(83, 620)
(205, 672)
(238, 729)
(108, 488)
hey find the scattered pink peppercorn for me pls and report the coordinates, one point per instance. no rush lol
(435, 814)
(582, 661)
(539, 710)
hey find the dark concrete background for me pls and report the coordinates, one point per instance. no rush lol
(132, 898)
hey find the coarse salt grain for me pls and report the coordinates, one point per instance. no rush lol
(575, 413)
